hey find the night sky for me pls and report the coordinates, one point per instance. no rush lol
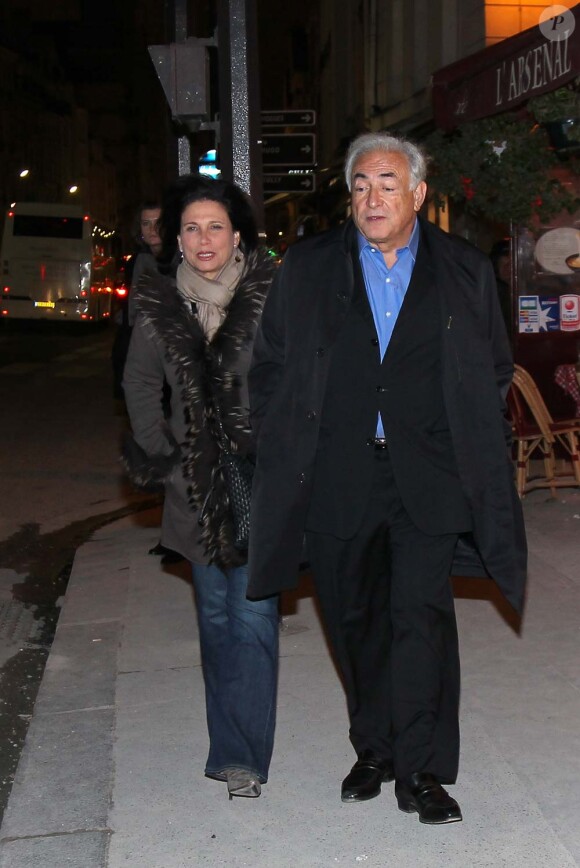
(100, 47)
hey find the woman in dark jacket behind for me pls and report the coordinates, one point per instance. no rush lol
(196, 329)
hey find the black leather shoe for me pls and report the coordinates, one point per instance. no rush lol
(365, 778)
(168, 556)
(171, 557)
(423, 793)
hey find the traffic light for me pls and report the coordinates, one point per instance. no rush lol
(183, 70)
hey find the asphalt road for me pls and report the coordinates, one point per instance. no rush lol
(60, 479)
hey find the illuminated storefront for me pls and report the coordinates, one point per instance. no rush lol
(544, 290)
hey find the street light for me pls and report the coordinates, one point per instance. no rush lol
(24, 173)
(73, 189)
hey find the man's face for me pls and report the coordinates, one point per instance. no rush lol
(504, 268)
(150, 228)
(383, 205)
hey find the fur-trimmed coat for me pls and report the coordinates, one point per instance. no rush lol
(169, 345)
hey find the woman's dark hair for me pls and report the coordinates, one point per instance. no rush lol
(499, 249)
(146, 205)
(198, 188)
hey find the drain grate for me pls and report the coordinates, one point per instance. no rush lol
(17, 623)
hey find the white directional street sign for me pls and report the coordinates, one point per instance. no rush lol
(288, 118)
(292, 149)
(286, 183)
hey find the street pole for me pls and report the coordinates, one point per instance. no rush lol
(183, 145)
(240, 150)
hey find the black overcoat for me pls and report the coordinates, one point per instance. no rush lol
(304, 311)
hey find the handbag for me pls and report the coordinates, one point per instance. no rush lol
(237, 472)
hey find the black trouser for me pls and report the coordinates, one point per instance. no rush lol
(388, 605)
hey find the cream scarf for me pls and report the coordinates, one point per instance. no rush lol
(211, 297)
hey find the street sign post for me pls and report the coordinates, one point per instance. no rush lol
(294, 149)
(288, 118)
(284, 183)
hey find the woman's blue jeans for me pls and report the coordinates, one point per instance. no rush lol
(239, 653)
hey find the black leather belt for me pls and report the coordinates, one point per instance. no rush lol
(378, 442)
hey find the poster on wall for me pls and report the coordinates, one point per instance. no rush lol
(570, 313)
(555, 304)
(538, 314)
(558, 251)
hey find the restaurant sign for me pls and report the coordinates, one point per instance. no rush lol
(507, 74)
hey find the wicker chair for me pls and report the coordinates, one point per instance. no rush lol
(537, 434)
(531, 443)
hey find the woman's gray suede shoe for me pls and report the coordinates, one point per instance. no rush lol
(242, 783)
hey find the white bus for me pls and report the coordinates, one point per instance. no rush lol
(55, 263)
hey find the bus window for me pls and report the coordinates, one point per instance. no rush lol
(36, 226)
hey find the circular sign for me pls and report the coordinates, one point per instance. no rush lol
(557, 23)
(557, 249)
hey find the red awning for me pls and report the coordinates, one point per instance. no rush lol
(505, 75)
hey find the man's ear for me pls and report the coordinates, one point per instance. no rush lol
(419, 194)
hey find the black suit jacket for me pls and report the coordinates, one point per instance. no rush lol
(406, 388)
(305, 311)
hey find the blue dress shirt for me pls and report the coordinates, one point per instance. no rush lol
(386, 288)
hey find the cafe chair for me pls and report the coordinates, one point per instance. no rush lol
(535, 431)
(532, 444)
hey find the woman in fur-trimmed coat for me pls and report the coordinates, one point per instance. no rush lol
(196, 331)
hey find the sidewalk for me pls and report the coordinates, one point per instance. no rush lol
(112, 771)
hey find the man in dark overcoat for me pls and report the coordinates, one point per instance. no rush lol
(378, 388)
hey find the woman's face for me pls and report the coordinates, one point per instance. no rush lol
(207, 238)
(150, 229)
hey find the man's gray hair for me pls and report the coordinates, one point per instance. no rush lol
(367, 142)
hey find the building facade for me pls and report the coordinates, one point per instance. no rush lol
(80, 107)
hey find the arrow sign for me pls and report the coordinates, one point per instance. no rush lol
(284, 183)
(288, 118)
(294, 149)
